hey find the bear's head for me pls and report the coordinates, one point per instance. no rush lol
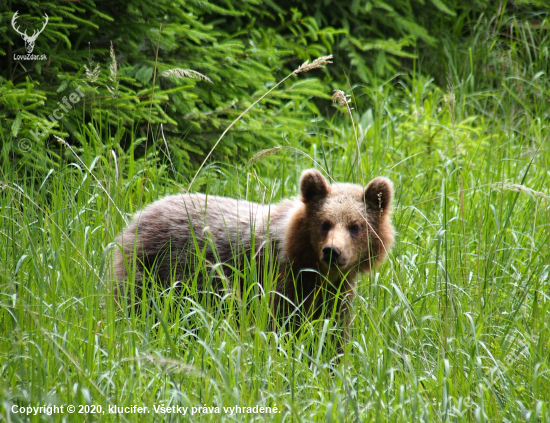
(348, 226)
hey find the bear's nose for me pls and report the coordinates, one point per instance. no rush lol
(331, 254)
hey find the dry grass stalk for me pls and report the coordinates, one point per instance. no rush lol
(92, 73)
(343, 100)
(185, 73)
(320, 62)
(449, 98)
(113, 67)
(306, 66)
(518, 187)
(260, 155)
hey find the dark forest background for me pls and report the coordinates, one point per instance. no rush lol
(194, 66)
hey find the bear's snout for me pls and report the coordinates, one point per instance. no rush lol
(331, 254)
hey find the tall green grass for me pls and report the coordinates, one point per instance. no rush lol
(452, 328)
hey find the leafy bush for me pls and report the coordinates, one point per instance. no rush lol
(195, 66)
(166, 64)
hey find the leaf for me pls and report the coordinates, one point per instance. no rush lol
(144, 74)
(16, 125)
(63, 85)
(443, 7)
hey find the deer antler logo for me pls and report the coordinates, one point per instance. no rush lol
(29, 40)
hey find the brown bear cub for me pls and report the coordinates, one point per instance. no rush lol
(321, 240)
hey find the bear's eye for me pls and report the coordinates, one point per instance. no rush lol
(354, 229)
(325, 226)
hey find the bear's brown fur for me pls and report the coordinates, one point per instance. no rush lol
(322, 240)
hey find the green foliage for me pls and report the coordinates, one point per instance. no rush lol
(156, 62)
(452, 328)
(195, 66)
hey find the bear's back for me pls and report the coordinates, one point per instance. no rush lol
(169, 232)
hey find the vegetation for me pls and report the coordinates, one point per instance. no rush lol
(451, 103)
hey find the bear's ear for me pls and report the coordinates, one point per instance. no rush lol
(378, 194)
(313, 186)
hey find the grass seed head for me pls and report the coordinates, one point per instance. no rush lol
(320, 62)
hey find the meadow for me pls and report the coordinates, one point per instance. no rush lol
(452, 328)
